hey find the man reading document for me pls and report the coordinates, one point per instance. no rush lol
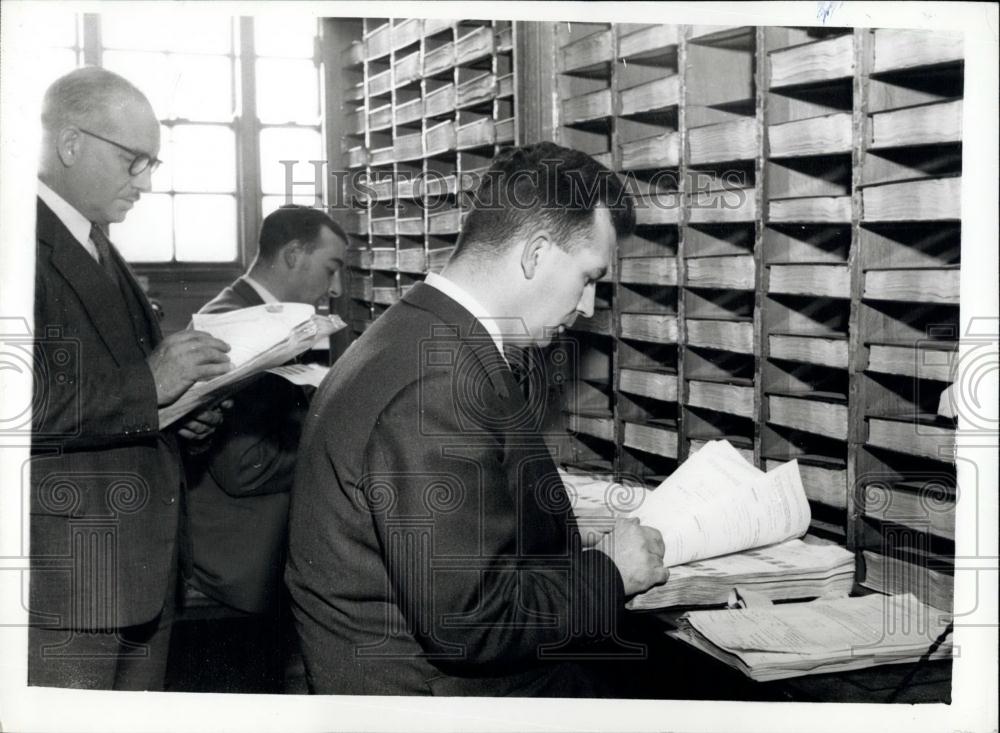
(105, 480)
(432, 549)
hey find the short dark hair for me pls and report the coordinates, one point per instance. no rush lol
(293, 221)
(545, 184)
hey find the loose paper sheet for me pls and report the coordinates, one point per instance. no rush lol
(717, 503)
(301, 374)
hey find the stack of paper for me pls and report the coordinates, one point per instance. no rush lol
(251, 331)
(798, 639)
(260, 338)
(792, 569)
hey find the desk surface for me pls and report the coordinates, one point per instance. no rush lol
(675, 670)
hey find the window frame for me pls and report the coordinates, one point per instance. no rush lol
(247, 128)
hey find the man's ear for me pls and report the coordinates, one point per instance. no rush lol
(291, 253)
(68, 142)
(537, 246)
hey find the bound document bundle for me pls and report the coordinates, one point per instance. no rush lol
(260, 338)
(796, 639)
(792, 569)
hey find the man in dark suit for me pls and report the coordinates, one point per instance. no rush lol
(432, 548)
(237, 500)
(105, 482)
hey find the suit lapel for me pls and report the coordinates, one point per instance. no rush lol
(88, 280)
(525, 452)
(472, 333)
(250, 297)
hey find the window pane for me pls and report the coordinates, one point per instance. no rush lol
(204, 88)
(48, 24)
(50, 64)
(146, 235)
(295, 144)
(206, 228)
(155, 29)
(148, 71)
(204, 158)
(289, 37)
(287, 91)
(270, 203)
(195, 87)
(163, 178)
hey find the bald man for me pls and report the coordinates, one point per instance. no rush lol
(105, 481)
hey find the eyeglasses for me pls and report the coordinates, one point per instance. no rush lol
(140, 161)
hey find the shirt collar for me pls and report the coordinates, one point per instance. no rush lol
(77, 223)
(461, 296)
(266, 295)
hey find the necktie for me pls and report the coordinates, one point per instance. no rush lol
(103, 245)
(138, 317)
(517, 359)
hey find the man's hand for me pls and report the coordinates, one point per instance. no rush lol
(202, 425)
(638, 552)
(594, 527)
(184, 358)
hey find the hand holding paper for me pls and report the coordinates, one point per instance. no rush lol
(184, 358)
(716, 503)
(638, 554)
(261, 337)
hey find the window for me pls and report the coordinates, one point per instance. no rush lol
(60, 45)
(288, 109)
(234, 98)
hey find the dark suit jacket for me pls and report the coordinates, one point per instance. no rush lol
(105, 483)
(431, 550)
(237, 501)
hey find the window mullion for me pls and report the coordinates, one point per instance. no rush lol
(248, 144)
(92, 50)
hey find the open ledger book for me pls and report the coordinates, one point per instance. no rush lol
(714, 512)
(796, 639)
(261, 338)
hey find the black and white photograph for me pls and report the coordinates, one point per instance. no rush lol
(377, 362)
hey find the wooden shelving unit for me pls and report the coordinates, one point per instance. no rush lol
(785, 293)
(792, 283)
(427, 104)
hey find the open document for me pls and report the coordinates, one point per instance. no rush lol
(796, 639)
(716, 503)
(260, 338)
(726, 526)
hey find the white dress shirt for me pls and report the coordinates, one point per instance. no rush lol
(461, 296)
(77, 223)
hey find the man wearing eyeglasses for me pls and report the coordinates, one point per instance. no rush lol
(105, 481)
